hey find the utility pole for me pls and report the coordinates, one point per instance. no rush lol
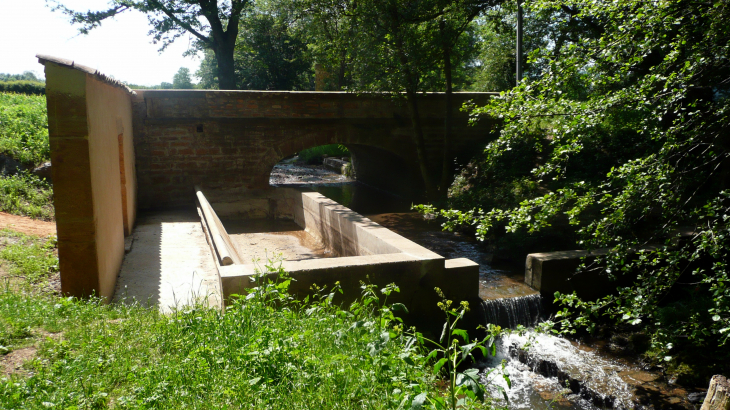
(519, 41)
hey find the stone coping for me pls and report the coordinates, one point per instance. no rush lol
(43, 59)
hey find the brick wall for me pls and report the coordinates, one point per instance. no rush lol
(230, 140)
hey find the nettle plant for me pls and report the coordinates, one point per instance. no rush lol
(454, 349)
(392, 360)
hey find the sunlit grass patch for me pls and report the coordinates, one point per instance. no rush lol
(266, 351)
(27, 257)
(25, 194)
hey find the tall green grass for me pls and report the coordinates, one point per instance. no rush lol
(24, 128)
(26, 194)
(315, 155)
(267, 351)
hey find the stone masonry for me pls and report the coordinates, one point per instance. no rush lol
(230, 140)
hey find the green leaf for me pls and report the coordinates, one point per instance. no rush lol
(399, 306)
(439, 365)
(418, 401)
(462, 333)
(254, 381)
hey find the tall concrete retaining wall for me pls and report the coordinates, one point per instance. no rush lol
(90, 130)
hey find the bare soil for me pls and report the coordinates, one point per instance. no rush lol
(27, 225)
(12, 363)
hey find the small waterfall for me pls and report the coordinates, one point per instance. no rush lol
(510, 312)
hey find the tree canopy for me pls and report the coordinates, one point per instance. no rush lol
(182, 79)
(623, 138)
(214, 25)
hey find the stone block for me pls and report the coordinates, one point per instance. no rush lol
(550, 272)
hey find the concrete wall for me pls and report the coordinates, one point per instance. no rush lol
(230, 140)
(367, 252)
(88, 116)
(109, 115)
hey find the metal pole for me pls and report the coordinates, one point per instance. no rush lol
(519, 41)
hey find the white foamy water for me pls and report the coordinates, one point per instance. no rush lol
(536, 385)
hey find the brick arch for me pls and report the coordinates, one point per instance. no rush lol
(230, 140)
(374, 165)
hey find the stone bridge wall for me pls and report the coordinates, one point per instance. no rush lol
(230, 140)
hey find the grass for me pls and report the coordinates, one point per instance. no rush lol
(315, 155)
(266, 351)
(24, 137)
(24, 128)
(28, 257)
(26, 194)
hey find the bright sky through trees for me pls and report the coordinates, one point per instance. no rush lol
(120, 47)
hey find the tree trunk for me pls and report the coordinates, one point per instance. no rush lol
(226, 68)
(446, 162)
(420, 143)
(718, 394)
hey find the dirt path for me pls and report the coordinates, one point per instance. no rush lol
(26, 225)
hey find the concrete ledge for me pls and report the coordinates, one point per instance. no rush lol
(551, 272)
(225, 250)
(460, 275)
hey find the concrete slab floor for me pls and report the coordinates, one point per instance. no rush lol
(262, 239)
(170, 263)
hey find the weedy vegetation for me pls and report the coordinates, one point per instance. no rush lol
(26, 194)
(24, 128)
(267, 350)
(24, 138)
(315, 155)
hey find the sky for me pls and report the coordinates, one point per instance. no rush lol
(120, 48)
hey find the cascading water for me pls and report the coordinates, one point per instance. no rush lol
(510, 312)
(551, 373)
(543, 367)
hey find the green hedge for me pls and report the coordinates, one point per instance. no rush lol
(23, 87)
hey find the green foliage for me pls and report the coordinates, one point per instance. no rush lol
(270, 53)
(23, 87)
(24, 128)
(629, 119)
(26, 194)
(26, 76)
(315, 155)
(182, 80)
(213, 26)
(28, 257)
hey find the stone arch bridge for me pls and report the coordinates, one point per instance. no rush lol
(231, 140)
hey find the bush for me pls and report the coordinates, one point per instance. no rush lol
(24, 128)
(315, 156)
(23, 87)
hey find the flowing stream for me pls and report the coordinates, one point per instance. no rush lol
(546, 372)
